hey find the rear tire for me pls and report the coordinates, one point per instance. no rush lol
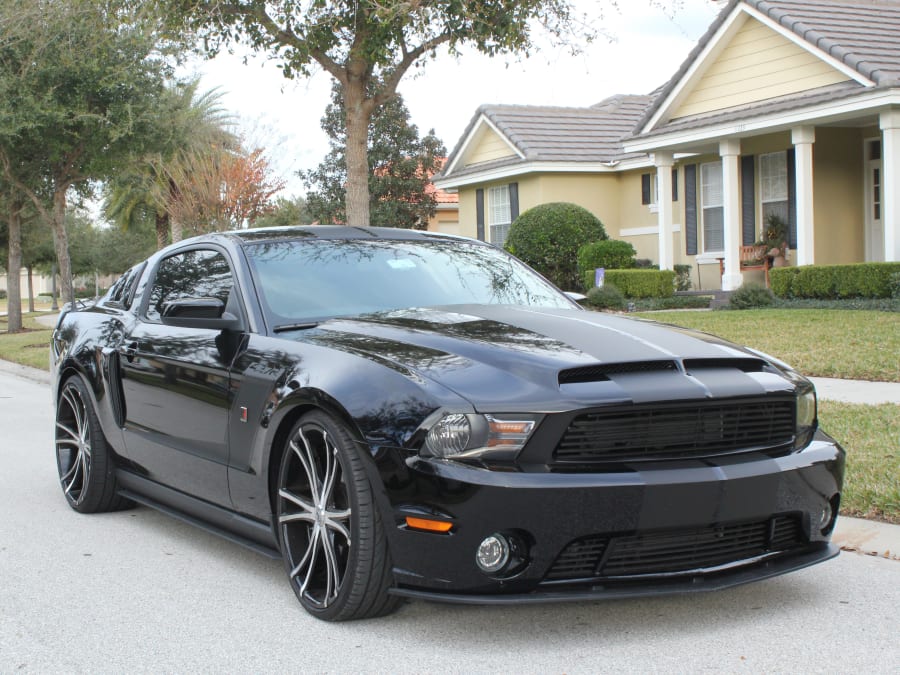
(83, 457)
(329, 529)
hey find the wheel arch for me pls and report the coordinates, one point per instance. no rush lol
(292, 409)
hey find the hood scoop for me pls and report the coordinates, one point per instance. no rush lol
(601, 372)
(745, 365)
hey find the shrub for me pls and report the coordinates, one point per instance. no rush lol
(605, 297)
(782, 278)
(645, 264)
(643, 283)
(751, 296)
(548, 237)
(827, 282)
(683, 277)
(894, 285)
(2, 294)
(610, 254)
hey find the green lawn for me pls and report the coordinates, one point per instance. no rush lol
(857, 345)
(30, 348)
(871, 436)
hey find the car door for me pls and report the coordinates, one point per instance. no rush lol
(175, 380)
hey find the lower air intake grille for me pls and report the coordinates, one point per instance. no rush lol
(675, 551)
(676, 431)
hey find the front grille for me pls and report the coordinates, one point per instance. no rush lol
(673, 552)
(676, 431)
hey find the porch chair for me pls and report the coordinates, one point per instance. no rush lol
(755, 257)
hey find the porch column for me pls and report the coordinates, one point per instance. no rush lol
(890, 190)
(730, 151)
(664, 162)
(803, 139)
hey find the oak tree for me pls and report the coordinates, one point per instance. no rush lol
(368, 46)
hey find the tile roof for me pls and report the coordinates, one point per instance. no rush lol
(558, 134)
(826, 94)
(862, 34)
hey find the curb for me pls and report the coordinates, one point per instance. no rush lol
(25, 372)
(868, 537)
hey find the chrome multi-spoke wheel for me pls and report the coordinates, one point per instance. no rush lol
(73, 443)
(86, 470)
(334, 548)
(315, 516)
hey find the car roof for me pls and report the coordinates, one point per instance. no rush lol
(255, 235)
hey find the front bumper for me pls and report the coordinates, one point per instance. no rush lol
(550, 511)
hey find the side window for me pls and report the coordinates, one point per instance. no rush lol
(122, 292)
(192, 274)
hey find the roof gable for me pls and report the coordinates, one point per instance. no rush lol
(819, 44)
(507, 134)
(756, 64)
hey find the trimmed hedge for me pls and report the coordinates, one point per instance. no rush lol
(547, 237)
(611, 254)
(830, 282)
(639, 283)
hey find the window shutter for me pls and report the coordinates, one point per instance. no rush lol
(479, 214)
(690, 209)
(645, 188)
(792, 198)
(513, 202)
(674, 184)
(748, 200)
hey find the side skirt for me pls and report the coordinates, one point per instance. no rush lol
(229, 525)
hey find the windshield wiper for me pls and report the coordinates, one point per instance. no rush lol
(295, 326)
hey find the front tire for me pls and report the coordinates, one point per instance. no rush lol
(83, 458)
(330, 532)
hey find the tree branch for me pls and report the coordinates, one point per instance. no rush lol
(409, 58)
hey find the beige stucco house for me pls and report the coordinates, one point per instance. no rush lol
(786, 107)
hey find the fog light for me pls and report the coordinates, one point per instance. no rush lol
(825, 518)
(492, 554)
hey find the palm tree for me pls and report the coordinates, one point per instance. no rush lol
(192, 124)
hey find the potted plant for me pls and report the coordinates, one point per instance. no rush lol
(775, 239)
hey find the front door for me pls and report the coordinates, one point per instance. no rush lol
(874, 200)
(175, 382)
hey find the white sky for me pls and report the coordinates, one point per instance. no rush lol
(647, 42)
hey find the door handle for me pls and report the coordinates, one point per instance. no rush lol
(129, 351)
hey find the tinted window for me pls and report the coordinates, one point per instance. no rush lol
(192, 274)
(302, 280)
(122, 291)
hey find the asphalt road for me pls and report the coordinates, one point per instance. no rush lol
(137, 591)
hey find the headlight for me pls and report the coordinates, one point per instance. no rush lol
(459, 436)
(805, 422)
(806, 409)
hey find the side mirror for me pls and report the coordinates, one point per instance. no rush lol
(206, 313)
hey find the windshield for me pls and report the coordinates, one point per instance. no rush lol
(312, 280)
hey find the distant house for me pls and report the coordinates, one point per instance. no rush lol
(789, 108)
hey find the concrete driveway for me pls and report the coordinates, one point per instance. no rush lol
(137, 591)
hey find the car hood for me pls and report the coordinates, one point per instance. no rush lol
(503, 358)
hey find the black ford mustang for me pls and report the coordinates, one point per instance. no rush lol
(403, 414)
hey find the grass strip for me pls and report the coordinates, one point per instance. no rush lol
(28, 348)
(871, 436)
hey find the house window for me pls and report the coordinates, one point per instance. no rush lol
(499, 214)
(713, 207)
(773, 186)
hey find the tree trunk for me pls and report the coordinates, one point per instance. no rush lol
(162, 230)
(359, 113)
(61, 244)
(14, 270)
(53, 292)
(176, 231)
(30, 288)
